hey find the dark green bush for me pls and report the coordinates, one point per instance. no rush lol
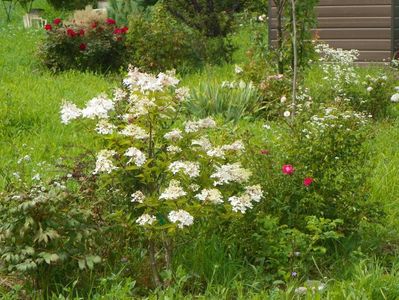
(71, 4)
(158, 42)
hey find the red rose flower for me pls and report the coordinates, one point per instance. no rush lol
(118, 31)
(94, 25)
(57, 21)
(111, 21)
(81, 32)
(288, 169)
(308, 181)
(48, 27)
(70, 32)
(124, 29)
(82, 47)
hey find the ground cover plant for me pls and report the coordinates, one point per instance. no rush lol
(205, 184)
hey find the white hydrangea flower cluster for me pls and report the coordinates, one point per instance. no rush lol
(140, 106)
(98, 107)
(174, 149)
(146, 219)
(181, 217)
(104, 163)
(104, 127)
(213, 196)
(135, 131)
(69, 112)
(136, 155)
(244, 202)
(191, 169)
(228, 173)
(138, 197)
(173, 191)
(182, 93)
(194, 126)
(143, 82)
(174, 135)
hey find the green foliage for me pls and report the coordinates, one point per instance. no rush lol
(182, 48)
(211, 18)
(44, 231)
(233, 101)
(92, 43)
(121, 10)
(71, 4)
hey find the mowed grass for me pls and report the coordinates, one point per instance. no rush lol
(30, 100)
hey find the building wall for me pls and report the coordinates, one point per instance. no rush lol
(365, 25)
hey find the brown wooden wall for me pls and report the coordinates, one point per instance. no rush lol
(365, 25)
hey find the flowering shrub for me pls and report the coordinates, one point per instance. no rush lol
(70, 4)
(94, 43)
(174, 173)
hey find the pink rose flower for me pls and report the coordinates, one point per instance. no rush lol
(308, 181)
(288, 169)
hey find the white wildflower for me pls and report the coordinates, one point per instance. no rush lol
(369, 89)
(216, 152)
(283, 99)
(140, 106)
(104, 127)
(146, 219)
(181, 217)
(287, 114)
(98, 107)
(104, 163)
(212, 195)
(262, 18)
(266, 126)
(25, 158)
(395, 98)
(173, 191)
(230, 173)
(136, 155)
(191, 169)
(138, 197)
(69, 111)
(36, 177)
(174, 135)
(168, 79)
(135, 131)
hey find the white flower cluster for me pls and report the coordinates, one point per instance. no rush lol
(135, 131)
(97, 107)
(69, 112)
(244, 202)
(174, 149)
(146, 219)
(181, 217)
(174, 135)
(182, 93)
(213, 196)
(191, 169)
(230, 173)
(136, 155)
(138, 197)
(194, 126)
(138, 81)
(173, 191)
(140, 106)
(104, 127)
(104, 162)
(338, 66)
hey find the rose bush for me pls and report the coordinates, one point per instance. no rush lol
(96, 44)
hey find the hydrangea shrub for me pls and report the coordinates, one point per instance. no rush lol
(176, 172)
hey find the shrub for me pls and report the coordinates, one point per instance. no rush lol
(121, 10)
(182, 48)
(46, 234)
(177, 175)
(88, 42)
(71, 4)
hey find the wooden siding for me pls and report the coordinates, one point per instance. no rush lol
(365, 25)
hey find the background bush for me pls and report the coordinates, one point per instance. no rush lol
(71, 4)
